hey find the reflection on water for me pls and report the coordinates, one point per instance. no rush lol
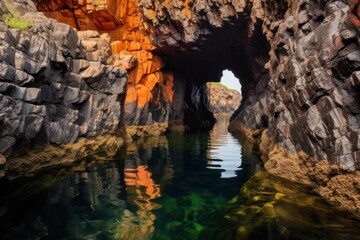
(156, 188)
(224, 150)
(169, 187)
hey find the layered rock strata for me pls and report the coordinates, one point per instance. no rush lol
(298, 63)
(150, 88)
(56, 84)
(223, 99)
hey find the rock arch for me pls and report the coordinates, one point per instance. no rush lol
(298, 62)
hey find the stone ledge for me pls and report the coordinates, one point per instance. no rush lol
(29, 162)
(156, 129)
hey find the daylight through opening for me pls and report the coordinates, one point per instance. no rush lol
(229, 80)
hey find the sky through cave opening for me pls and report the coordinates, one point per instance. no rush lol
(229, 80)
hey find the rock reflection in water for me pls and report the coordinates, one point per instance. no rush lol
(155, 188)
(165, 188)
(141, 188)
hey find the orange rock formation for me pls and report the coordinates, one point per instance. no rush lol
(122, 21)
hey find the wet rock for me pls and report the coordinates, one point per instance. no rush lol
(155, 129)
(297, 62)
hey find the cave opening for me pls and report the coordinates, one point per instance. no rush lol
(235, 48)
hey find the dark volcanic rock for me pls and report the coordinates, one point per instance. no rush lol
(55, 86)
(297, 63)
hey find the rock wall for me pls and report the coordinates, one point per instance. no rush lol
(150, 88)
(55, 84)
(297, 61)
(222, 99)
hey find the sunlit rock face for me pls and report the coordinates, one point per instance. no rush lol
(150, 90)
(222, 99)
(56, 84)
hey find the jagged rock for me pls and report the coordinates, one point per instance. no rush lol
(125, 60)
(222, 99)
(97, 47)
(47, 93)
(297, 62)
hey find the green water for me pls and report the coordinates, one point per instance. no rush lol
(177, 186)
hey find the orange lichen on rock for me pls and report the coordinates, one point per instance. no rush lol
(144, 95)
(123, 21)
(104, 15)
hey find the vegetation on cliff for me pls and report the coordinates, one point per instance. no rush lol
(14, 20)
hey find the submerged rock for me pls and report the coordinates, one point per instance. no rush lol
(270, 209)
(298, 63)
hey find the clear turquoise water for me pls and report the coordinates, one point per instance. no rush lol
(172, 187)
(164, 188)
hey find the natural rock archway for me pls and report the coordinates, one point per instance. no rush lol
(298, 63)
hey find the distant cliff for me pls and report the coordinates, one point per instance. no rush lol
(222, 99)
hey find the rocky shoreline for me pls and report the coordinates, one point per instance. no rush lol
(298, 63)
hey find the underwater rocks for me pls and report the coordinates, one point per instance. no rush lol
(270, 209)
(298, 63)
(56, 84)
(222, 99)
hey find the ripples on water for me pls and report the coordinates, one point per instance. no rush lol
(162, 188)
(165, 187)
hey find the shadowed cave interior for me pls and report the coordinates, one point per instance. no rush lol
(231, 48)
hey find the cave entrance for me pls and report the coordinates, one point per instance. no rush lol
(230, 48)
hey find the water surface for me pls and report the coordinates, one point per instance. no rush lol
(178, 186)
(156, 188)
